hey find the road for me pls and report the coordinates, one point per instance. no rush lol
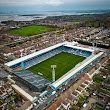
(28, 38)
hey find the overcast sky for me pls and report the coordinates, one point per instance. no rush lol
(54, 5)
(53, 2)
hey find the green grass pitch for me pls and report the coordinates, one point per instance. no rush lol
(64, 62)
(30, 30)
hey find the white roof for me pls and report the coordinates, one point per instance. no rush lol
(76, 47)
(21, 91)
(69, 74)
(11, 63)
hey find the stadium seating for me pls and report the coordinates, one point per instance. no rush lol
(77, 51)
(37, 59)
(15, 66)
(32, 81)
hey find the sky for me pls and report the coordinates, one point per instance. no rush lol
(54, 2)
(53, 5)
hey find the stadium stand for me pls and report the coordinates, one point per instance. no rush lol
(32, 81)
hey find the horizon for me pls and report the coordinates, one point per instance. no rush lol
(20, 11)
(36, 6)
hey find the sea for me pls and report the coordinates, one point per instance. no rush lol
(39, 15)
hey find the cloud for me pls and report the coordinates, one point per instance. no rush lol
(21, 2)
(54, 2)
(37, 2)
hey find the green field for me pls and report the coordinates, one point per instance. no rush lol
(30, 30)
(64, 62)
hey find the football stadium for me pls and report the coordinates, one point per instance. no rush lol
(35, 70)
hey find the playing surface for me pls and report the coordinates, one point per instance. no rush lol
(30, 30)
(64, 62)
